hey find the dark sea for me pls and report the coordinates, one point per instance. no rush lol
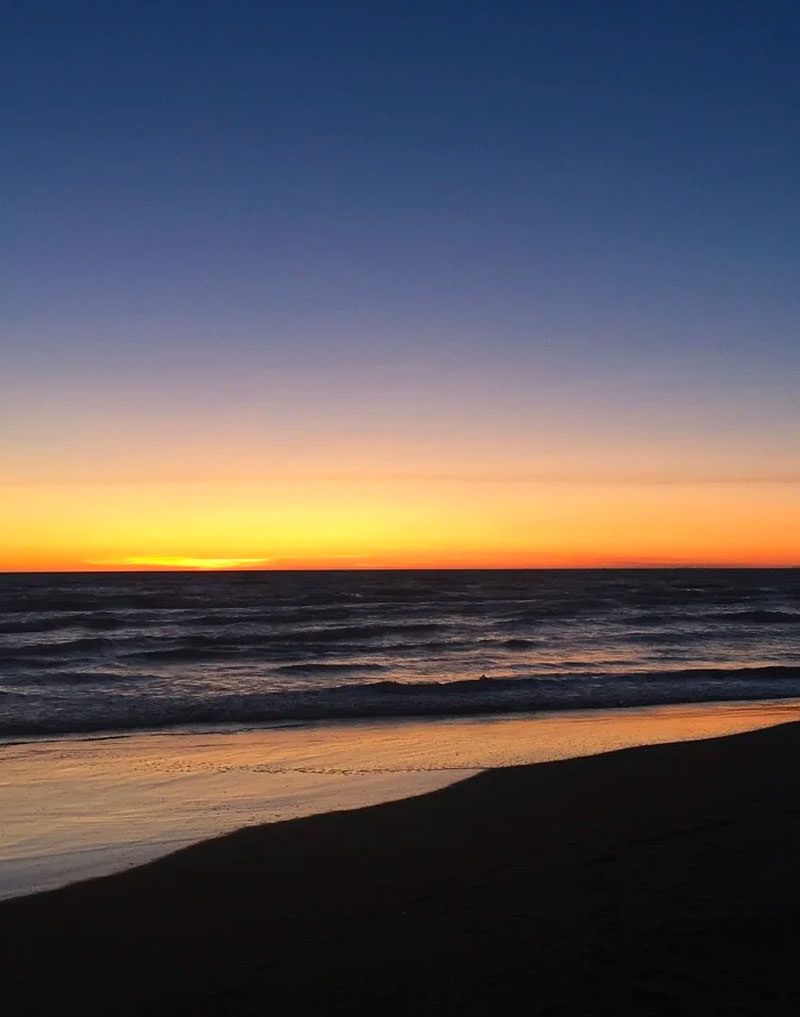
(121, 652)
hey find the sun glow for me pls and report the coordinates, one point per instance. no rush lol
(179, 562)
(411, 523)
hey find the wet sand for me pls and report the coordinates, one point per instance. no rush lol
(78, 808)
(657, 880)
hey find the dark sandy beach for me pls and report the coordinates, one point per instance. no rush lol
(658, 880)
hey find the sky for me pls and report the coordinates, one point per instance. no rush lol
(399, 284)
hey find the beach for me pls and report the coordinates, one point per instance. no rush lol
(648, 880)
(77, 808)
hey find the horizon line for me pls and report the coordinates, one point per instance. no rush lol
(640, 566)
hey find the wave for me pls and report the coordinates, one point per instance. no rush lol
(60, 677)
(518, 644)
(13, 624)
(757, 617)
(323, 669)
(208, 646)
(387, 698)
(66, 648)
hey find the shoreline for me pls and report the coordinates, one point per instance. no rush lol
(76, 809)
(501, 695)
(657, 879)
(310, 723)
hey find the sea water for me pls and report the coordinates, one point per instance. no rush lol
(123, 652)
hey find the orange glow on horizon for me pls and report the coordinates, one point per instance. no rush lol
(352, 524)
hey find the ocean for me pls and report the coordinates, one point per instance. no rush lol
(118, 652)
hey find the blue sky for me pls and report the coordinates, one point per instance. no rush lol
(508, 219)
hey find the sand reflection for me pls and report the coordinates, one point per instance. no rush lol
(76, 809)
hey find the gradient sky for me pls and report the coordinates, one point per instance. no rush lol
(293, 284)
